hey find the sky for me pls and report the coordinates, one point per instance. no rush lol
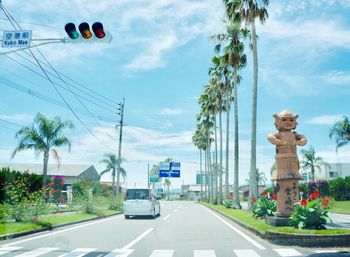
(158, 61)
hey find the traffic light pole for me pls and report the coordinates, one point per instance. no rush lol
(121, 124)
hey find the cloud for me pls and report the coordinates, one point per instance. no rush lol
(325, 119)
(168, 111)
(17, 117)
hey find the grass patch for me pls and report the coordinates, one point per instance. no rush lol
(340, 206)
(14, 227)
(247, 218)
(49, 220)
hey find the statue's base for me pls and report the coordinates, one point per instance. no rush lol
(277, 221)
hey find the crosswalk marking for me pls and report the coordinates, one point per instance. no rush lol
(284, 252)
(246, 253)
(204, 253)
(78, 252)
(120, 253)
(162, 253)
(38, 252)
(4, 250)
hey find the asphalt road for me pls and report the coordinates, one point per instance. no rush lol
(184, 229)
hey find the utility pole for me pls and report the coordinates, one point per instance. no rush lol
(120, 125)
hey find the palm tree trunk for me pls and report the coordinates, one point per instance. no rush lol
(235, 202)
(46, 160)
(113, 182)
(220, 175)
(252, 176)
(201, 172)
(227, 192)
(216, 160)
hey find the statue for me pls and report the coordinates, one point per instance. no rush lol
(287, 173)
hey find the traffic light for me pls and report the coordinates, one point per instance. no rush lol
(86, 36)
(71, 31)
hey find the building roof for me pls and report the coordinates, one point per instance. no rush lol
(69, 170)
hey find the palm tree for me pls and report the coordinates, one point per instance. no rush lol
(112, 162)
(260, 179)
(199, 141)
(42, 136)
(247, 11)
(341, 132)
(235, 58)
(311, 161)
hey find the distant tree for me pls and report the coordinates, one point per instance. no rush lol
(311, 161)
(112, 162)
(42, 136)
(341, 132)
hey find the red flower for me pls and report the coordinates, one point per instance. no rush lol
(253, 199)
(303, 202)
(273, 197)
(265, 193)
(325, 202)
(315, 194)
(53, 191)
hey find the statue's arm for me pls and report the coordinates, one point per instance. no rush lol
(300, 140)
(275, 140)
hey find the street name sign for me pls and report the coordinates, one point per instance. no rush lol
(17, 38)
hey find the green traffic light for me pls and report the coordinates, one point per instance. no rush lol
(71, 31)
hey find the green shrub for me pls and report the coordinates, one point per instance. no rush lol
(303, 188)
(339, 188)
(5, 212)
(227, 203)
(264, 206)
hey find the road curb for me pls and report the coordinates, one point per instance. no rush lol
(305, 240)
(33, 231)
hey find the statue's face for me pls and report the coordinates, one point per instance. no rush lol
(286, 123)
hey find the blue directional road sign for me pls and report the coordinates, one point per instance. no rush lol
(169, 169)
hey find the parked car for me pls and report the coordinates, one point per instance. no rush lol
(141, 202)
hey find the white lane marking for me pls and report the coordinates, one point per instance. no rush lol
(167, 217)
(246, 237)
(78, 252)
(326, 251)
(120, 253)
(287, 252)
(246, 253)
(162, 253)
(63, 230)
(4, 250)
(133, 242)
(38, 252)
(204, 253)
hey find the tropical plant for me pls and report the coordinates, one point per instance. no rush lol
(341, 132)
(310, 214)
(311, 161)
(264, 206)
(247, 11)
(112, 163)
(42, 136)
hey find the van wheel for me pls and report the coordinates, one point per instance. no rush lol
(154, 213)
(127, 217)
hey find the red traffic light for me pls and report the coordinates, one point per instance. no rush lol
(97, 28)
(84, 29)
(71, 31)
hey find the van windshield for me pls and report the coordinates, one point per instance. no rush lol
(139, 194)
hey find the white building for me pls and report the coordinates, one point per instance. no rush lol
(334, 170)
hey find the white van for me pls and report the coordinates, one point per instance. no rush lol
(140, 202)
